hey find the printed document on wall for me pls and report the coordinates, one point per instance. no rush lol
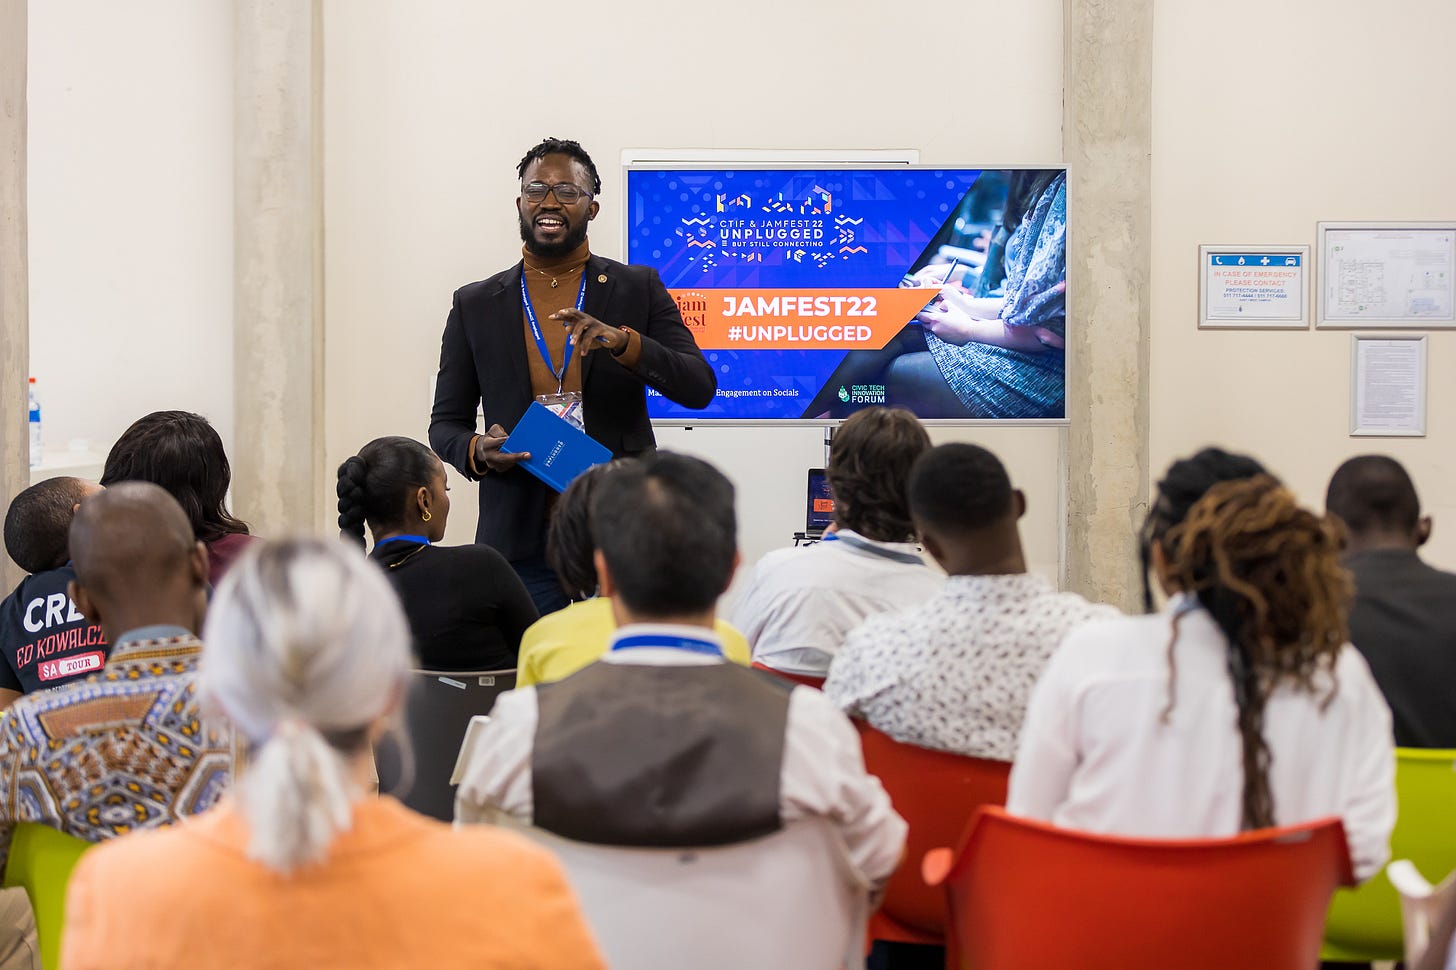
(1388, 396)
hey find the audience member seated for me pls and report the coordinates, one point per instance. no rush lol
(662, 742)
(182, 453)
(127, 748)
(308, 655)
(1404, 616)
(799, 604)
(561, 643)
(955, 672)
(466, 607)
(45, 640)
(1241, 706)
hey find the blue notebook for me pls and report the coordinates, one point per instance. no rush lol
(559, 450)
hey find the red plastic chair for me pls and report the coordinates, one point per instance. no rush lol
(1029, 896)
(815, 682)
(937, 793)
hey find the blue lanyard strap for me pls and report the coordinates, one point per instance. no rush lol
(536, 328)
(667, 640)
(864, 545)
(420, 539)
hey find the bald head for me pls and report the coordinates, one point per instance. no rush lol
(136, 561)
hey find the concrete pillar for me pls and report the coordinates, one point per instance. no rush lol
(278, 291)
(14, 271)
(1107, 143)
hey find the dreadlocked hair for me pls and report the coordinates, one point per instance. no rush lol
(1268, 573)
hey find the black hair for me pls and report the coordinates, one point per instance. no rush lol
(869, 465)
(665, 525)
(1186, 481)
(38, 524)
(958, 488)
(375, 485)
(562, 146)
(1023, 188)
(569, 545)
(183, 454)
(1373, 493)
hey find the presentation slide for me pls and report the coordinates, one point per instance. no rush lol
(818, 291)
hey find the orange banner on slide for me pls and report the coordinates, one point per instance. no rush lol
(812, 319)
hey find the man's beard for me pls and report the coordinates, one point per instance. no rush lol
(575, 236)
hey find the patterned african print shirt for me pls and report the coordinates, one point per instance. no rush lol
(124, 749)
(955, 673)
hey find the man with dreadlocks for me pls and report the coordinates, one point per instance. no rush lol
(1240, 706)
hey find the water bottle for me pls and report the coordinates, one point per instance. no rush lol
(37, 443)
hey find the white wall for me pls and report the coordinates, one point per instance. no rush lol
(429, 106)
(1268, 117)
(131, 213)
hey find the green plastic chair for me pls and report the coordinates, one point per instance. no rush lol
(41, 860)
(1364, 923)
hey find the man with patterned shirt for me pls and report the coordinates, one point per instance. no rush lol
(126, 748)
(955, 673)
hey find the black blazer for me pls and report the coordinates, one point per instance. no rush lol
(483, 361)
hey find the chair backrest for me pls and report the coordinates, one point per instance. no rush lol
(1027, 895)
(786, 900)
(804, 679)
(936, 793)
(41, 860)
(437, 714)
(1364, 924)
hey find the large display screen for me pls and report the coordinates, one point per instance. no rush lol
(818, 291)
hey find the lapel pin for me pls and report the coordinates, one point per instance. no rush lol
(602, 278)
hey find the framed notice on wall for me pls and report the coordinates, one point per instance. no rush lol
(1388, 385)
(1391, 274)
(1253, 287)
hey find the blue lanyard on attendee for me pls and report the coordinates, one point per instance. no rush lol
(864, 545)
(671, 641)
(420, 539)
(536, 329)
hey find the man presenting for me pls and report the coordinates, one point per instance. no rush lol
(582, 334)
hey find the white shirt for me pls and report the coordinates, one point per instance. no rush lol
(955, 672)
(822, 775)
(800, 603)
(1096, 753)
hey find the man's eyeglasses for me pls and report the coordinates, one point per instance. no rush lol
(566, 192)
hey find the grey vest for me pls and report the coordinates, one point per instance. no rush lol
(637, 755)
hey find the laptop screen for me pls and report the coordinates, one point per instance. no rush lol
(820, 512)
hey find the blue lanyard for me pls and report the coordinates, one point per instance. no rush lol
(536, 328)
(420, 539)
(667, 640)
(864, 545)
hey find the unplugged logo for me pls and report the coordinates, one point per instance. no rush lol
(694, 309)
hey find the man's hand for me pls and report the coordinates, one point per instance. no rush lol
(488, 452)
(589, 333)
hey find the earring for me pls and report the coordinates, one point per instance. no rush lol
(425, 516)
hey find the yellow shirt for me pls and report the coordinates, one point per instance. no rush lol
(561, 643)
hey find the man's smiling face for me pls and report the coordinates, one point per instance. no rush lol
(550, 228)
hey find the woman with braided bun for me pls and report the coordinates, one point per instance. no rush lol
(1240, 706)
(299, 866)
(466, 607)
